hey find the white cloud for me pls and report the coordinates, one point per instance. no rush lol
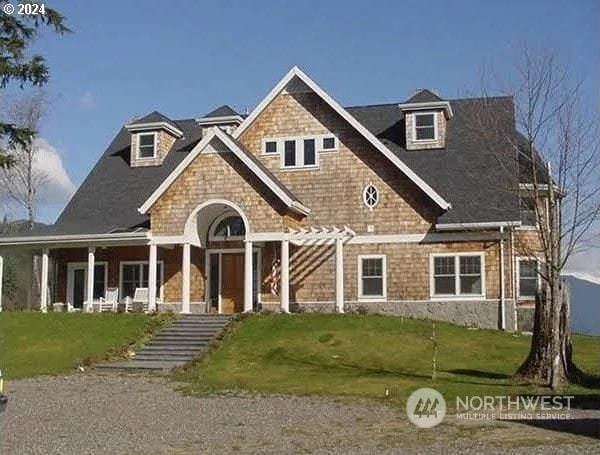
(585, 262)
(87, 100)
(57, 187)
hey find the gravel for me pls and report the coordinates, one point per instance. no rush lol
(126, 414)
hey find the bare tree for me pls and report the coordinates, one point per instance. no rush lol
(556, 146)
(23, 180)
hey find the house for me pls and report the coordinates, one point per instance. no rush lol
(410, 208)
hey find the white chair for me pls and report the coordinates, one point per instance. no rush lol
(140, 296)
(110, 300)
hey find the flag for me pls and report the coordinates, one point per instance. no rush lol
(275, 276)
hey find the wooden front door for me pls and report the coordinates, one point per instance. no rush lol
(232, 283)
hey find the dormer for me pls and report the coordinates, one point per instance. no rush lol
(223, 117)
(152, 137)
(425, 118)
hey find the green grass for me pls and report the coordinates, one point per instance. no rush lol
(361, 356)
(34, 343)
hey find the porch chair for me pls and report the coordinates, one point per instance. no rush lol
(110, 300)
(140, 296)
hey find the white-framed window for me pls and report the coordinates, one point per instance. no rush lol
(425, 126)
(528, 278)
(146, 145)
(370, 196)
(299, 151)
(372, 277)
(134, 274)
(457, 275)
(228, 227)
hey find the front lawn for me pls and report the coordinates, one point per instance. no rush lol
(363, 356)
(33, 343)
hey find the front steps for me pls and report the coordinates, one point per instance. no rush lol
(176, 344)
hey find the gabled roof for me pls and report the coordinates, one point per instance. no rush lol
(296, 74)
(153, 121)
(423, 96)
(221, 111)
(460, 172)
(284, 194)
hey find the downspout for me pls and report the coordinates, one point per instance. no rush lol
(513, 270)
(502, 309)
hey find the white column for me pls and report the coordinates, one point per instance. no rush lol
(152, 278)
(339, 275)
(44, 282)
(1, 271)
(89, 296)
(248, 294)
(185, 278)
(284, 292)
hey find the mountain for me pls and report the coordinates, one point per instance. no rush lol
(585, 303)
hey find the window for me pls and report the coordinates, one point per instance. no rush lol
(135, 275)
(289, 159)
(99, 280)
(229, 228)
(372, 277)
(309, 152)
(370, 196)
(457, 275)
(425, 127)
(270, 147)
(528, 278)
(146, 145)
(329, 143)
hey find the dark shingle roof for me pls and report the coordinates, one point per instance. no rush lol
(423, 96)
(154, 117)
(221, 111)
(460, 172)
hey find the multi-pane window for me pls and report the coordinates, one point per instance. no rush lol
(146, 145)
(372, 277)
(457, 275)
(528, 278)
(329, 143)
(229, 227)
(425, 127)
(299, 152)
(135, 275)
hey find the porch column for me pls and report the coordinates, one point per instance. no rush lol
(90, 279)
(285, 276)
(339, 275)
(44, 282)
(248, 294)
(1, 270)
(152, 278)
(185, 279)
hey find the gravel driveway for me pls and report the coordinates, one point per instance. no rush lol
(112, 414)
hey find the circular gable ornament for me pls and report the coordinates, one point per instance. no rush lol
(370, 196)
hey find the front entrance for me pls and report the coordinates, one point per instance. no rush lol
(226, 280)
(77, 282)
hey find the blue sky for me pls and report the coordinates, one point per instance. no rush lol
(127, 58)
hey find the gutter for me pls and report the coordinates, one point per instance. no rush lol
(73, 238)
(475, 226)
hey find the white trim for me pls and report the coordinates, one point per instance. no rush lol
(297, 72)
(43, 282)
(71, 267)
(519, 259)
(190, 230)
(428, 105)
(219, 238)
(229, 143)
(435, 127)
(154, 126)
(154, 135)
(220, 120)
(364, 195)
(456, 295)
(299, 154)
(483, 225)
(159, 298)
(372, 298)
(122, 237)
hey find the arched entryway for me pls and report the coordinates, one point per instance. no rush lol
(220, 227)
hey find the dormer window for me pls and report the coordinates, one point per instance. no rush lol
(146, 148)
(425, 126)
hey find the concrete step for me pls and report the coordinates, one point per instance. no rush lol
(193, 342)
(168, 357)
(142, 365)
(169, 347)
(181, 340)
